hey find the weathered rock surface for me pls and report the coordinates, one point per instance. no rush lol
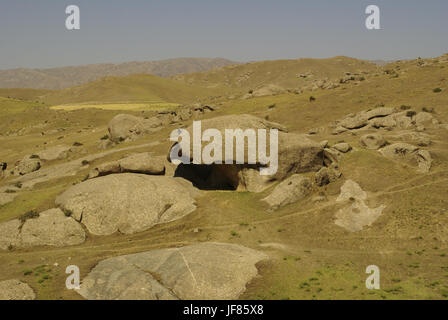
(425, 119)
(325, 176)
(7, 197)
(342, 147)
(200, 271)
(296, 152)
(372, 141)
(105, 144)
(291, 190)
(16, 290)
(51, 228)
(144, 163)
(54, 153)
(27, 165)
(128, 202)
(268, 90)
(127, 127)
(331, 156)
(409, 154)
(350, 189)
(355, 215)
(9, 234)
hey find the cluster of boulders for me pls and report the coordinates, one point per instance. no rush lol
(296, 154)
(125, 127)
(33, 162)
(385, 118)
(266, 90)
(321, 84)
(411, 124)
(125, 203)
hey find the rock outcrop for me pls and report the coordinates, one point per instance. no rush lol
(16, 290)
(291, 190)
(9, 234)
(28, 164)
(128, 202)
(409, 154)
(296, 154)
(200, 271)
(48, 228)
(51, 228)
(356, 214)
(54, 153)
(127, 127)
(144, 163)
(326, 175)
(372, 141)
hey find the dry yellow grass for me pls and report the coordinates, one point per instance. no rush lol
(150, 106)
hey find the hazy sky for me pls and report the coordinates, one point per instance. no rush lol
(33, 33)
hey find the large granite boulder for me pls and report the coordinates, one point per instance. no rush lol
(128, 202)
(16, 290)
(127, 127)
(28, 164)
(296, 154)
(293, 189)
(196, 272)
(144, 163)
(52, 228)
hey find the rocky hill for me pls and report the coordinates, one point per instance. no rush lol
(64, 77)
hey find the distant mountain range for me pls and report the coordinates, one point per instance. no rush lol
(64, 77)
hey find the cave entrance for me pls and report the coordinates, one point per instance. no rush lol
(208, 177)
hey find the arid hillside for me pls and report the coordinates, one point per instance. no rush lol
(288, 74)
(64, 77)
(362, 180)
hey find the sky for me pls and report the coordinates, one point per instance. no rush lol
(33, 32)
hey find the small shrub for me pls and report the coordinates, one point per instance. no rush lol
(77, 144)
(28, 215)
(272, 106)
(105, 137)
(121, 139)
(437, 90)
(10, 191)
(444, 293)
(18, 185)
(27, 272)
(234, 233)
(312, 99)
(404, 107)
(424, 109)
(34, 156)
(410, 114)
(67, 212)
(85, 162)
